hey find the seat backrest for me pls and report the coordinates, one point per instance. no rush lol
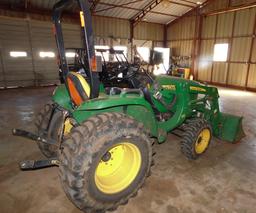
(79, 88)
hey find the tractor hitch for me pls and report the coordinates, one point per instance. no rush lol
(38, 164)
(34, 137)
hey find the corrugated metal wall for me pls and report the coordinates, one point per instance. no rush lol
(149, 31)
(33, 36)
(180, 38)
(14, 35)
(235, 28)
(111, 27)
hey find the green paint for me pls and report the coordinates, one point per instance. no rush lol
(61, 97)
(193, 99)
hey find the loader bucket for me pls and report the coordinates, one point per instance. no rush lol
(231, 129)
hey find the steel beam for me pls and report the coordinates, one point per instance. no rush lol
(231, 9)
(189, 12)
(137, 9)
(115, 6)
(42, 13)
(142, 13)
(131, 38)
(190, 2)
(94, 5)
(215, 39)
(165, 37)
(3, 68)
(181, 4)
(251, 52)
(231, 47)
(197, 44)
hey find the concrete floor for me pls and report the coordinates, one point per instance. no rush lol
(223, 180)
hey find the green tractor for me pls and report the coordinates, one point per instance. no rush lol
(102, 138)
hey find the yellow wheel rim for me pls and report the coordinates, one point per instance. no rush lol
(118, 168)
(67, 126)
(202, 141)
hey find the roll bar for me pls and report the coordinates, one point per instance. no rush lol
(87, 38)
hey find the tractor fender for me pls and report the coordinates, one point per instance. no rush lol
(112, 101)
(61, 97)
(134, 106)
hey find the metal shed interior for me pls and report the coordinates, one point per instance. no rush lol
(189, 27)
(26, 27)
(231, 22)
(222, 180)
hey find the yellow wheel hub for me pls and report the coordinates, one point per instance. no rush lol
(118, 168)
(67, 126)
(202, 141)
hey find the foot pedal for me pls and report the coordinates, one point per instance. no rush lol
(38, 164)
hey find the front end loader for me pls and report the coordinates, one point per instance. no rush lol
(102, 138)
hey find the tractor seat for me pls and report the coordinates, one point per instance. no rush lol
(79, 88)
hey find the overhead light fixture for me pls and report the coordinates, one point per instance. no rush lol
(17, 54)
(199, 3)
(46, 54)
(70, 54)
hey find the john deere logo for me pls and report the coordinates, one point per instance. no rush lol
(199, 89)
(169, 87)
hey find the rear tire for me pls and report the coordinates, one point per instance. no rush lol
(196, 138)
(86, 181)
(42, 122)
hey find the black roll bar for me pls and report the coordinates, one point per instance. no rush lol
(87, 37)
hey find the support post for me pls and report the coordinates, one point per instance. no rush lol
(3, 68)
(198, 47)
(251, 51)
(230, 48)
(196, 40)
(32, 52)
(131, 38)
(165, 36)
(215, 38)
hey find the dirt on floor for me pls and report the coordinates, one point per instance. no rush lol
(221, 181)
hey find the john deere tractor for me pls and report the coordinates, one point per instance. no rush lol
(101, 138)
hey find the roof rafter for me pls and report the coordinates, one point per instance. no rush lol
(180, 4)
(190, 12)
(148, 8)
(136, 9)
(115, 6)
(190, 2)
(94, 5)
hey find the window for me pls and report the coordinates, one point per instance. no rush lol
(163, 68)
(119, 56)
(47, 54)
(70, 54)
(144, 53)
(102, 54)
(17, 54)
(220, 52)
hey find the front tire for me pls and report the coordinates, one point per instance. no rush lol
(105, 161)
(196, 138)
